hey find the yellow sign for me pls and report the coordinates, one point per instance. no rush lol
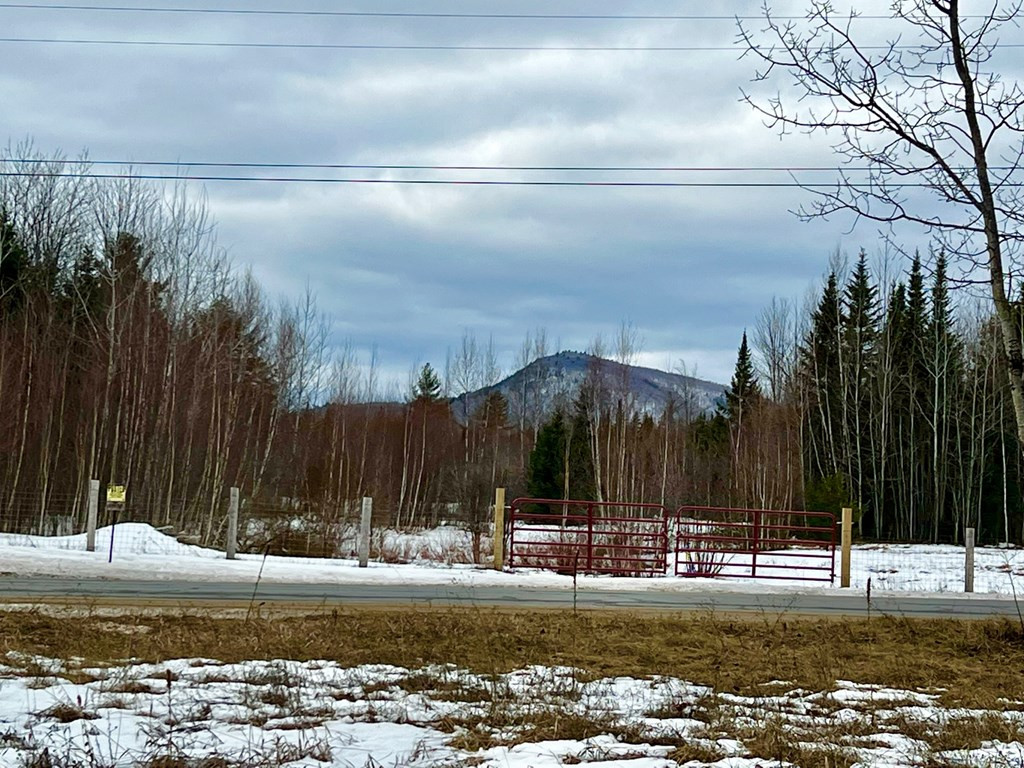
(115, 493)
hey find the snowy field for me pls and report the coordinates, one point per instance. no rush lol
(438, 557)
(317, 714)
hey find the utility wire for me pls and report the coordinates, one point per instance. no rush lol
(413, 47)
(398, 14)
(416, 167)
(444, 182)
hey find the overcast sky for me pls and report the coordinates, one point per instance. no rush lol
(409, 269)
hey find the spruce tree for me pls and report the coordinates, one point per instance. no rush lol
(860, 332)
(820, 358)
(545, 472)
(916, 330)
(944, 363)
(579, 455)
(861, 326)
(428, 386)
(744, 392)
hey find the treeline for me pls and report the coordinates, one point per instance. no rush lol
(132, 352)
(879, 394)
(883, 396)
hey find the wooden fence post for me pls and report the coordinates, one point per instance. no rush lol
(969, 561)
(847, 543)
(364, 532)
(499, 529)
(232, 543)
(92, 515)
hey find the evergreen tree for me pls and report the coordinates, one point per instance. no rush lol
(13, 266)
(546, 469)
(860, 332)
(894, 329)
(917, 335)
(428, 387)
(944, 364)
(579, 455)
(820, 358)
(744, 392)
(861, 320)
(493, 411)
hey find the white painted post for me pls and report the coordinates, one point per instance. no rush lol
(847, 545)
(232, 544)
(364, 532)
(969, 561)
(92, 515)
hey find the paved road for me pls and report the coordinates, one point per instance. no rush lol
(832, 603)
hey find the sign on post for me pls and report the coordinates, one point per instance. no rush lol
(115, 499)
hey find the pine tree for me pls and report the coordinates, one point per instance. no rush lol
(428, 387)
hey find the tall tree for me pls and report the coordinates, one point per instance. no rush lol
(819, 361)
(858, 352)
(546, 471)
(932, 109)
(744, 391)
(428, 386)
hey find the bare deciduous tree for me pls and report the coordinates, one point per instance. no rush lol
(929, 130)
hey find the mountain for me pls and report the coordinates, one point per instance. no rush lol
(555, 380)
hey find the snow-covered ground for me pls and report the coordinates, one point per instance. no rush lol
(264, 714)
(142, 552)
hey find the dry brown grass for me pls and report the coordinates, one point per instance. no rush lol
(954, 733)
(976, 663)
(773, 739)
(966, 664)
(66, 712)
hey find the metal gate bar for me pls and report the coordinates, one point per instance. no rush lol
(754, 543)
(543, 533)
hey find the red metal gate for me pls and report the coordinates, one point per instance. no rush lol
(589, 537)
(755, 543)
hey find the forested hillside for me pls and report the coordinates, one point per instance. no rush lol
(131, 351)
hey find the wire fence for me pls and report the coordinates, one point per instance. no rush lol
(42, 514)
(443, 534)
(936, 568)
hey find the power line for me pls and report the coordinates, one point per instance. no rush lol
(354, 46)
(414, 47)
(447, 182)
(420, 167)
(397, 14)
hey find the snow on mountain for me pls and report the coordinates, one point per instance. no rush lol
(554, 380)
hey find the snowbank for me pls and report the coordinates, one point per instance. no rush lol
(129, 539)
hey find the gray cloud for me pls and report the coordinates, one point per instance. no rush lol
(408, 269)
